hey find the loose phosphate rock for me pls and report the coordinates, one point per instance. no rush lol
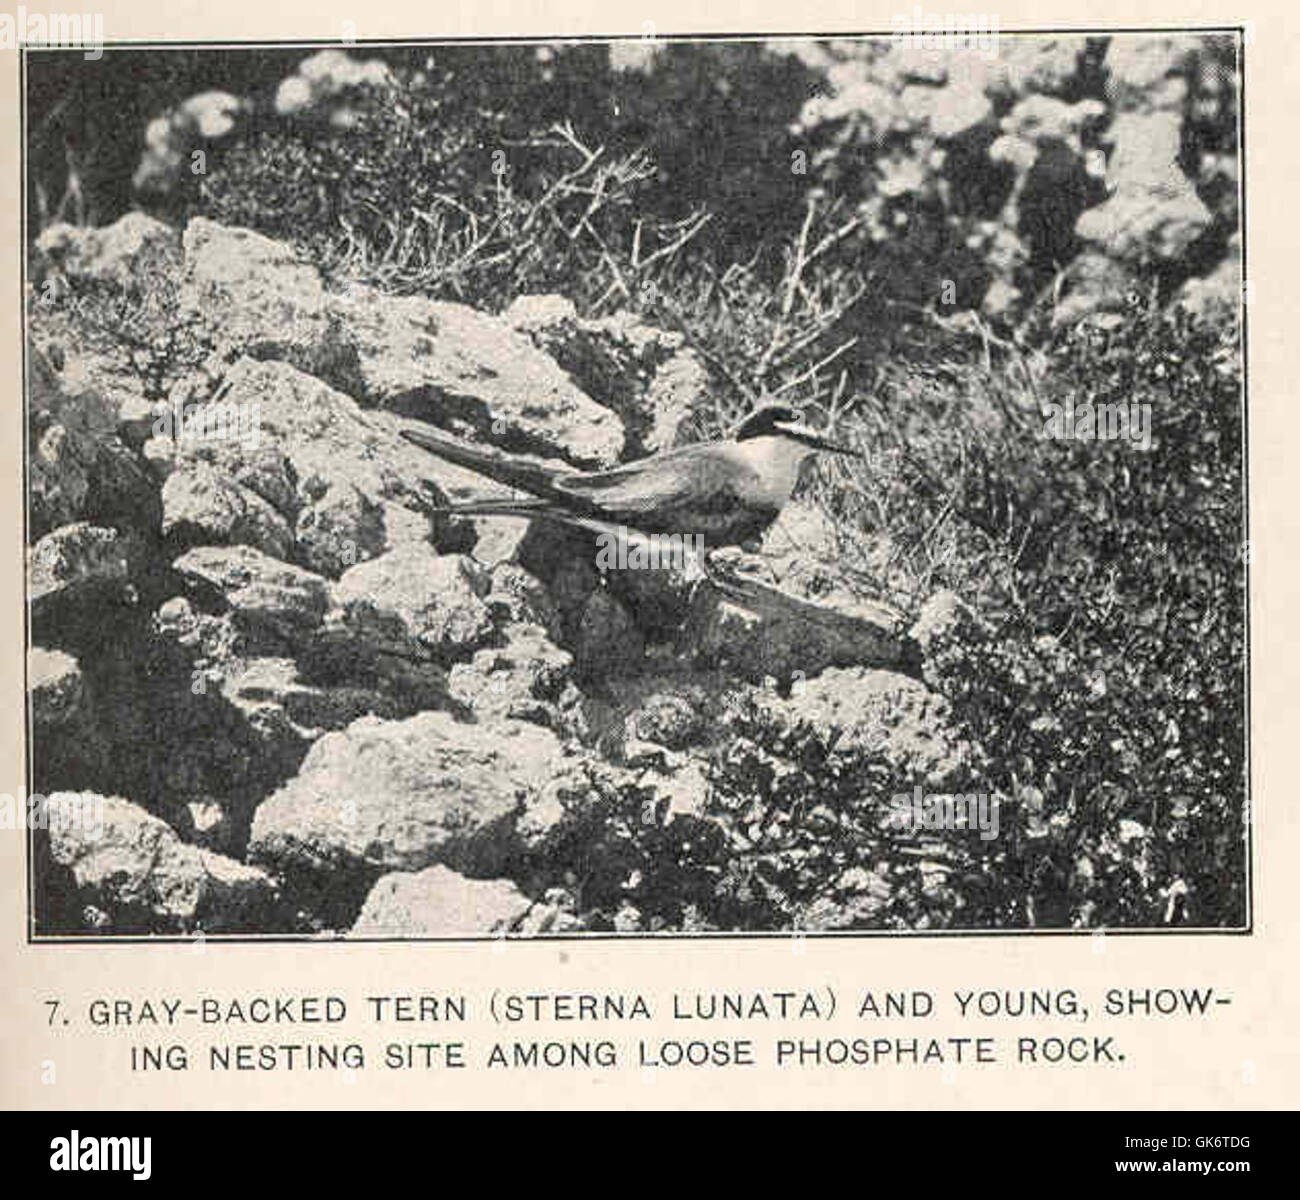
(882, 711)
(137, 872)
(76, 558)
(518, 596)
(944, 618)
(646, 375)
(68, 750)
(111, 254)
(772, 633)
(202, 506)
(1038, 120)
(1035, 64)
(260, 298)
(858, 900)
(1093, 284)
(608, 641)
(673, 710)
(415, 603)
(1220, 293)
(438, 902)
(404, 795)
(343, 480)
(263, 592)
(56, 685)
(78, 467)
(472, 373)
(524, 678)
(274, 698)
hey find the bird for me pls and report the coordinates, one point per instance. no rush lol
(726, 493)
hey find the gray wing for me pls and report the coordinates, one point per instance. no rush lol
(691, 488)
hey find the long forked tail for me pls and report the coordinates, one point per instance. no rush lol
(522, 507)
(509, 469)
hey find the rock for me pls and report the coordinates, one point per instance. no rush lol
(909, 61)
(67, 748)
(415, 603)
(261, 299)
(79, 468)
(1218, 295)
(1093, 283)
(524, 678)
(518, 596)
(774, 633)
(59, 480)
(608, 643)
(404, 795)
(473, 374)
(202, 506)
(958, 111)
(211, 825)
(437, 902)
(646, 375)
(859, 900)
(114, 254)
(944, 618)
(133, 868)
(263, 593)
(1001, 301)
(274, 699)
(639, 718)
(1038, 119)
(886, 713)
(1037, 64)
(76, 560)
(337, 476)
(547, 319)
(680, 794)
(667, 719)
(57, 688)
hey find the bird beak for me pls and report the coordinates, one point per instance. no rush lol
(810, 437)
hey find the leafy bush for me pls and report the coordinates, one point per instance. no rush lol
(1104, 678)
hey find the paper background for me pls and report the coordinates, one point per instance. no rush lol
(1245, 1055)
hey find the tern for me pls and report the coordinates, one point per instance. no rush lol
(726, 492)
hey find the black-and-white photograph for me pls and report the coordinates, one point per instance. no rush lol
(630, 487)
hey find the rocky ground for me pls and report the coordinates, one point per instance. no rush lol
(311, 702)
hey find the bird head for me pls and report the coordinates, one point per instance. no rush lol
(781, 421)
